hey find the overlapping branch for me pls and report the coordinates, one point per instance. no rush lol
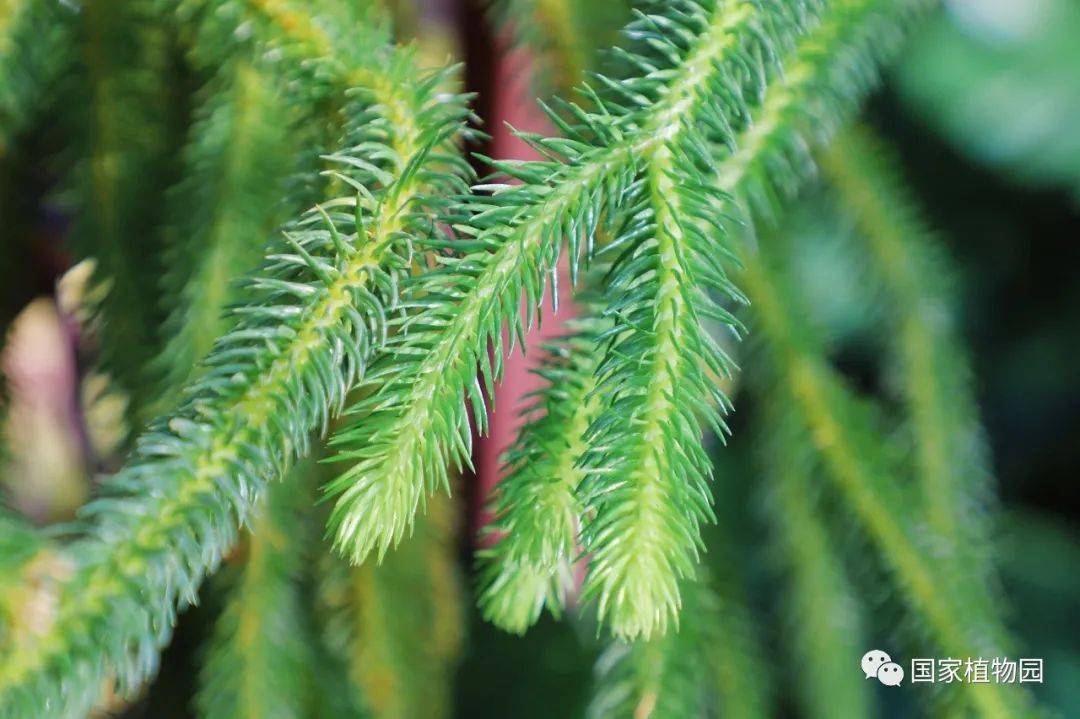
(414, 425)
(934, 376)
(672, 252)
(841, 431)
(302, 341)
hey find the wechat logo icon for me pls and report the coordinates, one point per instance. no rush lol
(879, 665)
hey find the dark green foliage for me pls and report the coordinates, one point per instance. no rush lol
(34, 49)
(123, 171)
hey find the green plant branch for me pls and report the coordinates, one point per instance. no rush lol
(36, 40)
(397, 625)
(842, 435)
(274, 380)
(950, 455)
(833, 60)
(415, 426)
(824, 618)
(124, 172)
(825, 78)
(646, 490)
(537, 512)
(236, 164)
(256, 662)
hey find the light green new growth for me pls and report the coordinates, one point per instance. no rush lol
(537, 510)
(659, 466)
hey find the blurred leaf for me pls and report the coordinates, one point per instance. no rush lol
(999, 78)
